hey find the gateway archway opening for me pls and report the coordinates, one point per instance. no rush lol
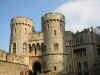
(36, 67)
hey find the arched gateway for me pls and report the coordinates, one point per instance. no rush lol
(36, 67)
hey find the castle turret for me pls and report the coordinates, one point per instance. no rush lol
(21, 27)
(53, 53)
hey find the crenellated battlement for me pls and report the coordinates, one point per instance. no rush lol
(53, 17)
(22, 20)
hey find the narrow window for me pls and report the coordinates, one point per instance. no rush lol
(30, 48)
(98, 51)
(24, 47)
(55, 68)
(38, 46)
(33, 46)
(70, 43)
(81, 52)
(56, 46)
(79, 66)
(14, 47)
(25, 30)
(55, 32)
(84, 51)
(67, 43)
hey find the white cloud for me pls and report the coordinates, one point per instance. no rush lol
(80, 14)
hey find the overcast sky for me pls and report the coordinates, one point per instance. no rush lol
(79, 14)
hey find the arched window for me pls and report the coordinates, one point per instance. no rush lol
(38, 46)
(33, 46)
(14, 47)
(24, 47)
(30, 48)
(55, 68)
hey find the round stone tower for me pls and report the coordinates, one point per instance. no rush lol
(53, 52)
(21, 27)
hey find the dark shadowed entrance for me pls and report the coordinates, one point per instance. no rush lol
(36, 67)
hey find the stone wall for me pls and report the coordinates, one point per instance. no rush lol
(8, 68)
(15, 59)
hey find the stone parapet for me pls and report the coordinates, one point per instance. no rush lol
(22, 20)
(53, 17)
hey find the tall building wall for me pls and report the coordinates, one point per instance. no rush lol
(21, 27)
(68, 51)
(53, 52)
